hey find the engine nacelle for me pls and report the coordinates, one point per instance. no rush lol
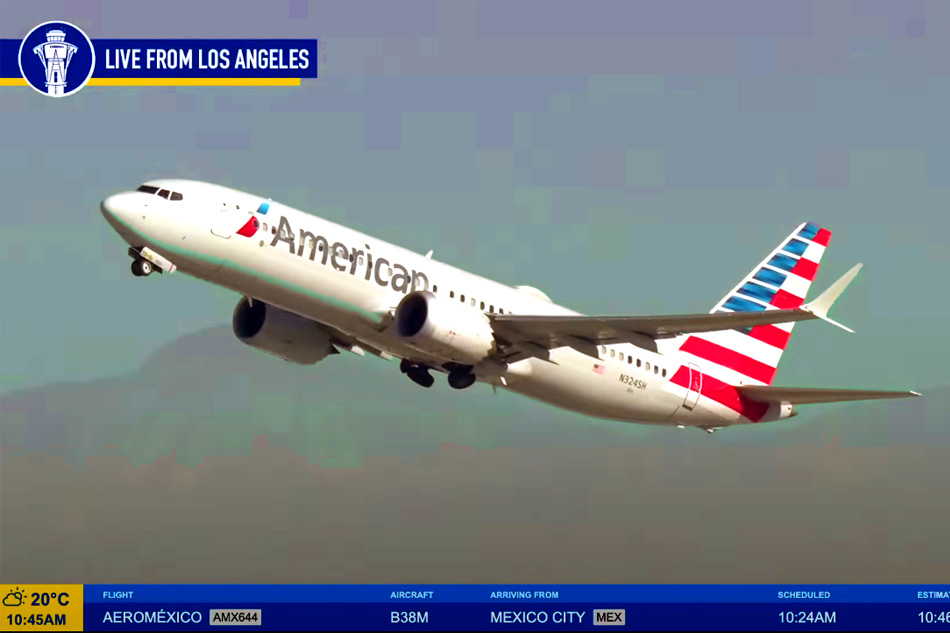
(444, 328)
(281, 333)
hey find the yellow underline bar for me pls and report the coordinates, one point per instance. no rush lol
(183, 81)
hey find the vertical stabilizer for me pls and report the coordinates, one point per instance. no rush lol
(750, 356)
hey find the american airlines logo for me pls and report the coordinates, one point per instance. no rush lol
(343, 258)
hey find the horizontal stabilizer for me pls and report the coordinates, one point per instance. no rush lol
(799, 395)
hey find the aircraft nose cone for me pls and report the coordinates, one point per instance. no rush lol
(115, 208)
(106, 206)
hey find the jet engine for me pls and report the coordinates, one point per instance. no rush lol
(443, 328)
(281, 333)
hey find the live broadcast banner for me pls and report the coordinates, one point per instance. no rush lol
(58, 59)
(476, 607)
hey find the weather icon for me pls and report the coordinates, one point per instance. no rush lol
(14, 598)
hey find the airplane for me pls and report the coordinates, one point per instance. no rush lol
(312, 288)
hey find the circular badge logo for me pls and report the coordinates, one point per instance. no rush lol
(57, 59)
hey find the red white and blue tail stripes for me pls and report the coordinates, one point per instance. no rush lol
(750, 356)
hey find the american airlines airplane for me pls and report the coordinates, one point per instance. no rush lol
(312, 288)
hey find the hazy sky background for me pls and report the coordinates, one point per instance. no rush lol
(625, 157)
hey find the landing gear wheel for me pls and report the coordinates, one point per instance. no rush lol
(141, 268)
(421, 376)
(461, 380)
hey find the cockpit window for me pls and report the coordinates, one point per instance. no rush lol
(165, 193)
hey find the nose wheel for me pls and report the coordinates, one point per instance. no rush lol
(142, 267)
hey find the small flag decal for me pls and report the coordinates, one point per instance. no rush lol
(599, 369)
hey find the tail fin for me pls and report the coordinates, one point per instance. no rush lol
(750, 356)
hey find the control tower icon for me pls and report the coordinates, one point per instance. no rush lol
(55, 54)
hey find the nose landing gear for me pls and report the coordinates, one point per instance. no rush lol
(142, 267)
(145, 261)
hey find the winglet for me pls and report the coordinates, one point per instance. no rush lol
(820, 306)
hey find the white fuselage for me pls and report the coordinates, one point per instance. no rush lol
(350, 281)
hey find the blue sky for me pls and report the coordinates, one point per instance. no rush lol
(624, 157)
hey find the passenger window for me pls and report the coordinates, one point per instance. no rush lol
(473, 302)
(603, 350)
(273, 230)
(638, 362)
(491, 308)
(451, 294)
(656, 369)
(621, 355)
(629, 360)
(164, 193)
(500, 311)
(176, 196)
(435, 288)
(483, 305)
(361, 257)
(648, 367)
(265, 227)
(613, 353)
(462, 298)
(664, 373)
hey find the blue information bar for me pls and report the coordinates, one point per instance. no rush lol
(778, 594)
(517, 607)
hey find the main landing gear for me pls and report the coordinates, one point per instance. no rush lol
(460, 376)
(418, 374)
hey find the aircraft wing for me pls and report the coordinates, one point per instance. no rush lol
(602, 329)
(586, 332)
(796, 395)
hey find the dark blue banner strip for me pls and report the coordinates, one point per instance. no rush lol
(736, 616)
(189, 58)
(418, 594)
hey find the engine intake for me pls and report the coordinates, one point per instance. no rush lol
(444, 329)
(281, 333)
